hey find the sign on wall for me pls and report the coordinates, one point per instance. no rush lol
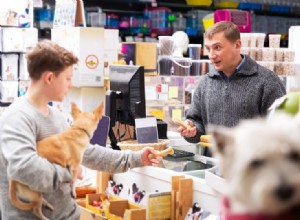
(16, 15)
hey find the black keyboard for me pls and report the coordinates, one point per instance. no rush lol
(180, 154)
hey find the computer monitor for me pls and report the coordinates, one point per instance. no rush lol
(125, 100)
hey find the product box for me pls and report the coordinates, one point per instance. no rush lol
(23, 87)
(8, 91)
(88, 45)
(30, 38)
(141, 54)
(9, 66)
(18, 14)
(111, 47)
(86, 214)
(115, 208)
(12, 39)
(23, 72)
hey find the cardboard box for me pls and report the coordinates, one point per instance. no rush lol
(88, 45)
(111, 47)
(12, 39)
(86, 214)
(9, 66)
(118, 208)
(30, 38)
(8, 91)
(142, 54)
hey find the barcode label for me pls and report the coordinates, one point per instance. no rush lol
(98, 78)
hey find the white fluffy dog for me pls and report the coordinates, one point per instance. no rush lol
(260, 160)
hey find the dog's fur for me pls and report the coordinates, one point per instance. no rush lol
(260, 160)
(65, 149)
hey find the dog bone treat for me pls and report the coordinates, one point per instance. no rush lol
(180, 123)
(205, 140)
(162, 153)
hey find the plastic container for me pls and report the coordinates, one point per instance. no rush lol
(195, 68)
(192, 25)
(274, 40)
(245, 39)
(180, 23)
(159, 18)
(260, 39)
(190, 82)
(208, 21)
(289, 55)
(241, 18)
(268, 54)
(253, 40)
(271, 65)
(165, 65)
(181, 66)
(253, 53)
(226, 4)
(250, 6)
(166, 45)
(96, 19)
(279, 54)
(199, 2)
(199, 67)
(112, 21)
(194, 51)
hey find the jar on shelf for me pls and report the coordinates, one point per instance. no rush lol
(112, 21)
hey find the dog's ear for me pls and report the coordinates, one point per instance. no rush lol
(221, 138)
(98, 111)
(74, 110)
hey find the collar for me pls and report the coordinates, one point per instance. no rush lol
(85, 131)
(226, 213)
(246, 67)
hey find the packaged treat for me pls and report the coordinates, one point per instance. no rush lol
(268, 54)
(289, 55)
(279, 54)
(274, 40)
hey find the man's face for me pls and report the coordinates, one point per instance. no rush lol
(223, 54)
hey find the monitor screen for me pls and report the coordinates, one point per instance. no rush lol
(127, 91)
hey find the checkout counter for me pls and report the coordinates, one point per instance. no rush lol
(148, 180)
(139, 184)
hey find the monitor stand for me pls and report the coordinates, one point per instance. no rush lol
(113, 140)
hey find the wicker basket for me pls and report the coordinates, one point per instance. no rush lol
(133, 145)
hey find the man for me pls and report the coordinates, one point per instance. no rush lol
(235, 88)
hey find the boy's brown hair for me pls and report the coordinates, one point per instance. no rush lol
(48, 56)
(231, 31)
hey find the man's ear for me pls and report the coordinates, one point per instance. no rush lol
(238, 44)
(48, 77)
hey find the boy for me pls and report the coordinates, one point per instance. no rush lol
(30, 119)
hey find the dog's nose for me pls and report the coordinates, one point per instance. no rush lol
(284, 193)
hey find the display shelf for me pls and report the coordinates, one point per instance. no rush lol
(278, 22)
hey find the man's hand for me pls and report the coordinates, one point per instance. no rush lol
(189, 130)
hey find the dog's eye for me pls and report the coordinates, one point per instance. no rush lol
(294, 156)
(257, 163)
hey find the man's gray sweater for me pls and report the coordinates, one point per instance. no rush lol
(247, 94)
